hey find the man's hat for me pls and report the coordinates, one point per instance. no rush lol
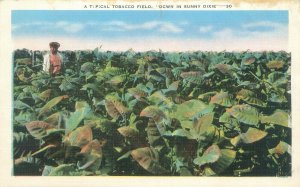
(54, 44)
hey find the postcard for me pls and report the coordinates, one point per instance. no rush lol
(156, 93)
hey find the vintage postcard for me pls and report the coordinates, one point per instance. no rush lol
(176, 93)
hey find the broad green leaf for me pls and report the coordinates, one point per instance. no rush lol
(245, 114)
(226, 159)
(208, 171)
(115, 107)
(249, 97)
(203, 123)
(81, 104)
(225, 118)
(137, 93)
(235, 141)
(192, 76)
(24, 117)
(108, 73)
(252, 135)
(68, 84)
(80, 136)
(153, 112)
(154, 75)
(38, 129)
(279, 117)
(128, 132)
(87, 67)
(148, 158)
(92, 156)
(76, 117)
(224, 68)
(211, 155)
(281, 148)
(158, 116)
(181, 133)
(158, 97)
(185, 172)
(200, 64)
(26, 61)
(172, 89)
(153, 135)
(116, 80)
(258, 71)
(207, 95)
(248, 61)
(277, 79)
(188, 109)
(275, 64)
(124, 156)
(278, 97)
(222, 99)
(55, 119)
(21, 105)
(166, 72)
(45, 95)
(174, 85)
(92, 86)
(48, 106)
(209, 109)
(63, 170)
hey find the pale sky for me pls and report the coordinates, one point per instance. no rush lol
(151, 30)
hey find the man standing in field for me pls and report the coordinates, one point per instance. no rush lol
(53, 61)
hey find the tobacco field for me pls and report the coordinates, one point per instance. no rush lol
(153, 114)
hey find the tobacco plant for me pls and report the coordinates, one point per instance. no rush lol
(153, 113)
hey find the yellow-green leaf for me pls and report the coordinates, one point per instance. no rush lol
(275, 64)
(211, 155)
(226, 159)
(222, 99)
(153, 112)
(281, 148)
(128, 132)
(76, 117)
(203, 123)
(117, 79)
(234, 141)
(48, 106)
(115, 108)
(26, 61)
(45, 95)
(92, 156)
(38, 129)
(54, 119)
(158, 97)
(148, 158)
(192, 76)
(279, 117)
(248, 61)
(253, 135)
(158, 116)
(80, 136)
(137, 93)
(244, 113)
(224, 68)
(249, 97)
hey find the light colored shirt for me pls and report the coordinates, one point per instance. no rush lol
(47, 63)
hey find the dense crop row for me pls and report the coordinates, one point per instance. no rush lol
(153, 113)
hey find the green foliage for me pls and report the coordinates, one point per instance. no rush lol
(154, 113)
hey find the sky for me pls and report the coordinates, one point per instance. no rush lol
(168, 30)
